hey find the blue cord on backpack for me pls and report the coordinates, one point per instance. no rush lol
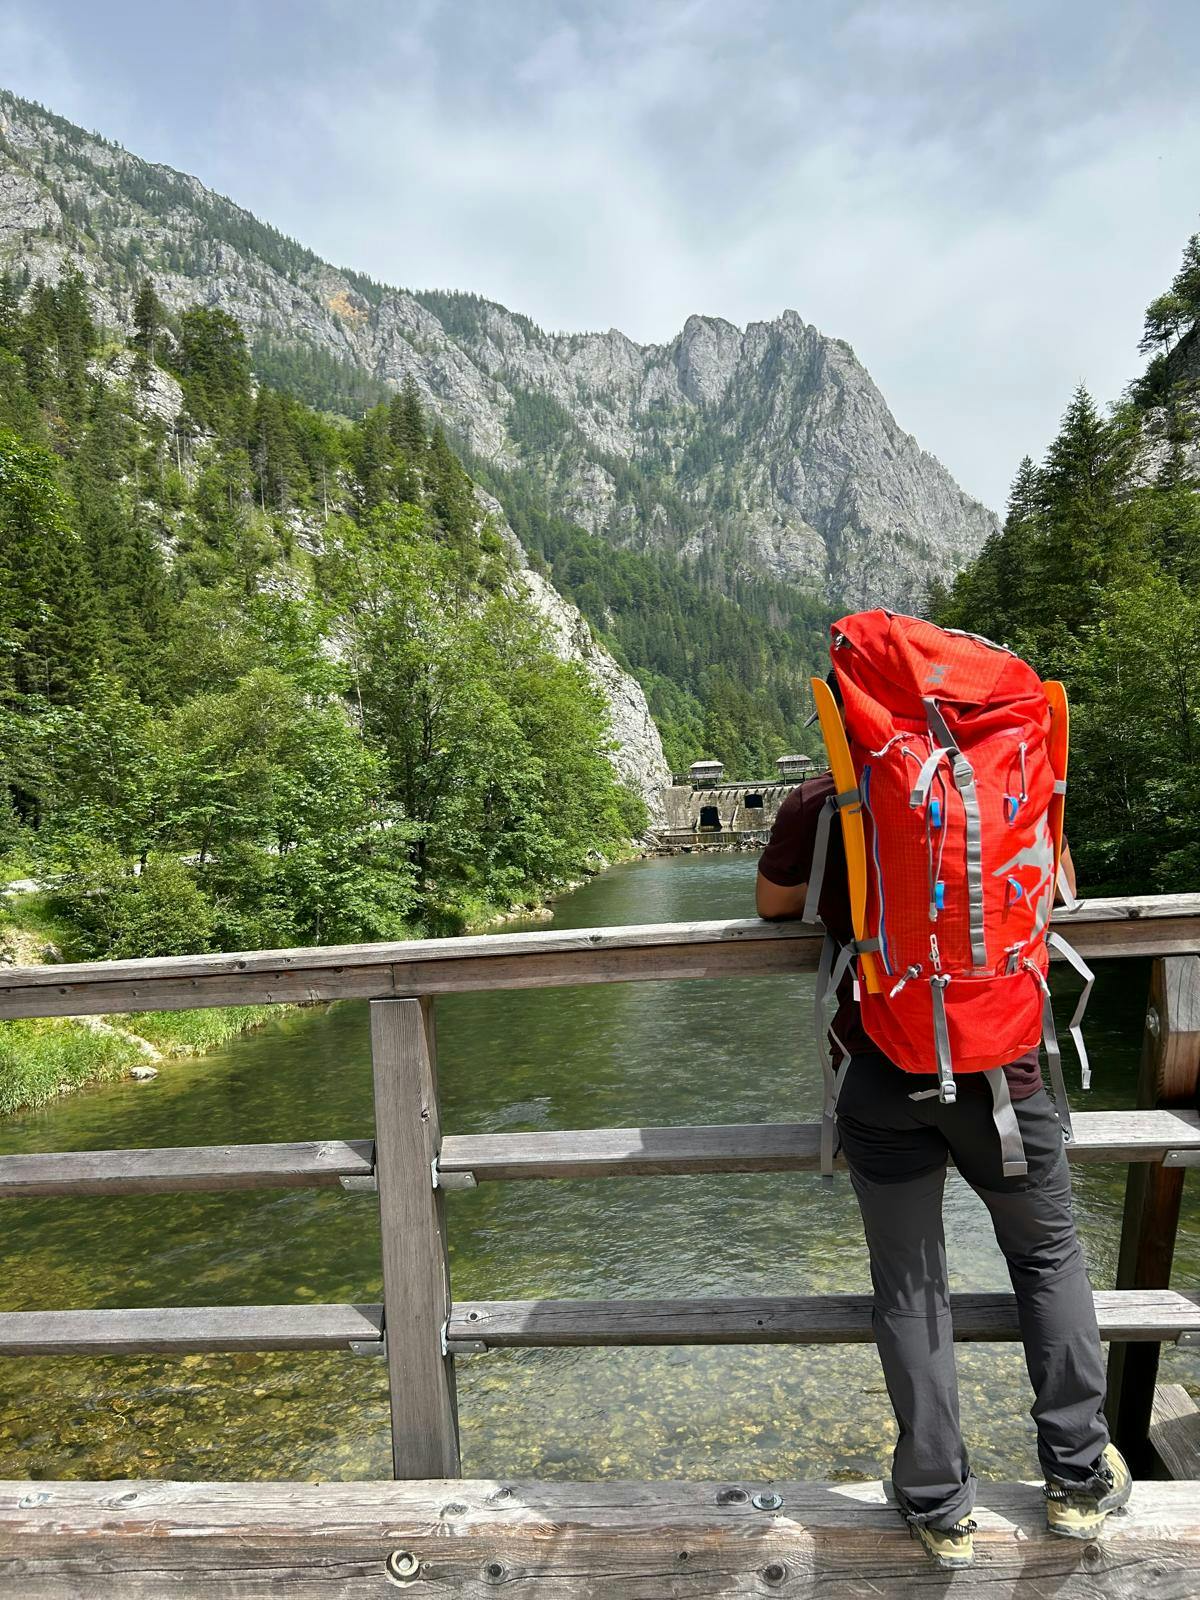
(1017, 890)
(1012, 804)
(935, 813)
(939, 896)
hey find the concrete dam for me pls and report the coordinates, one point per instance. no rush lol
(703, 810)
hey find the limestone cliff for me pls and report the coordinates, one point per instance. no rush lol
(770, 445)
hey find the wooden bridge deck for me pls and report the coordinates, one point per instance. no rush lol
(473, 1538)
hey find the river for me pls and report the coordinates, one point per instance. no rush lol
(602, 1055)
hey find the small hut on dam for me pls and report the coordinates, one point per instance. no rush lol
(703, 809)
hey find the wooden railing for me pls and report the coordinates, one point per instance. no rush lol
(418, 1327)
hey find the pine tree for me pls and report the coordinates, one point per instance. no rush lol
(406, 422)
(148, 319)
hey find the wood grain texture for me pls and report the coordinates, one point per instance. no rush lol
(472, 1539)
(319, 1164)
(1118, 1136)
(1168, 1076)
(1153, 925)
(416, 1275)
(178, 1330)
(1152, 1315)
(1175, 1430)
(581, 1153)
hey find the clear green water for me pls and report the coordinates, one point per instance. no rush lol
(563, 1058)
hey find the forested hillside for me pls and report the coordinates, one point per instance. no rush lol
(709, 502)
(1095, 577)
(266, 678)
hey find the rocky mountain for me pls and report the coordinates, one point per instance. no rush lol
(638, 755)
(767, 451)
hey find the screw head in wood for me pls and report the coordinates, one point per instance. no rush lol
(767, 1501)
(401, 1565)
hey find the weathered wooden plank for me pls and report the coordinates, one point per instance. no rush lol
(1154, 925)
(563, 1541)
(416, 1274)
(1155, 1315)
(178, 1330)
(318, 1164)
(759, 1147)
(511, 1324)
(1169, 1076)
(580, 1153)
(1175, 1430)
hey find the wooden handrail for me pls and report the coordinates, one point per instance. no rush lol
(1149, 1315)
(1127, 1136)
(1145, 925)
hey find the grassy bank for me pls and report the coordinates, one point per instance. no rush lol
(42, 1058)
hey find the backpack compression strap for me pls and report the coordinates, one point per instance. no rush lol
(964, 782)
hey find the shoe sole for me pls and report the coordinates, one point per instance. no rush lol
(1105, 1511)
(942, 1563)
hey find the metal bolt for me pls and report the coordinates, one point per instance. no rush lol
(766, 1501)
(401, 1565)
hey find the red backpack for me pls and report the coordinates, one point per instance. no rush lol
(949, 761)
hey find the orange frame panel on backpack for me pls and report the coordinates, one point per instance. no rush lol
(1057, 750)
(853, 834)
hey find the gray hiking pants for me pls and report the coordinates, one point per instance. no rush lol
(896, 1149)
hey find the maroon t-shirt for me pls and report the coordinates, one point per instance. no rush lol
(787, 861)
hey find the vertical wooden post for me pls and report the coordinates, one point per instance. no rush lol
(1169, 1073)
(416, 1275)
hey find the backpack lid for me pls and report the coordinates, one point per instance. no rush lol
(900, 661)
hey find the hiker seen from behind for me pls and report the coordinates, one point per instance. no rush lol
(932, 854)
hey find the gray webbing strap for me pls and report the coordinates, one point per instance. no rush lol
(920, 789)
(1012, 1147)
(964, 782)
(816, 876)
(1075, 1026)
(947, 1088)
(829, 1119)
(1069, 899)
(1054, 1057)
(830, 973)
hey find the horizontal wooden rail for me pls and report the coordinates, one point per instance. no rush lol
(1152, 1315)
(1138, 1136)
(473, 1538)
(1142, 1136)
(180, 1330)
(190, 1167)
(1156, 925)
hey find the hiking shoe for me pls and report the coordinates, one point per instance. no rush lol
(947, 1548)
(1078, 1512)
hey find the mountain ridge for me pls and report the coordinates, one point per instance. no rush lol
(768, 448)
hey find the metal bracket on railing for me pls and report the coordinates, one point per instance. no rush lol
(369, 1347)
(466, 1347)
(1189, 1336)
(368, 1183)
(460, 1347)
(451, 1180)
(1182, 1158)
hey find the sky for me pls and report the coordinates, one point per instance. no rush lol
(980, 197)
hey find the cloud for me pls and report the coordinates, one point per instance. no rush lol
(979, 198)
